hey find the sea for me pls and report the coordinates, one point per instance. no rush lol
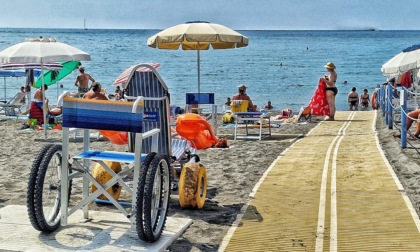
(281, 66)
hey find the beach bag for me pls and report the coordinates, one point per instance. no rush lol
(227, 118)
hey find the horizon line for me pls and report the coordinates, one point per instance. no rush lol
(81, 28)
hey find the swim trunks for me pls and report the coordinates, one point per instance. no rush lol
(82, 89)
(334, 89)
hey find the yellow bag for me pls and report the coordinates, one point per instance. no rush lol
(227, 118)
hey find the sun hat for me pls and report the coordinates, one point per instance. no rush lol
(242, 87)
(330, 65)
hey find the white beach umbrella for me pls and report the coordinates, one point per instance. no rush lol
(197, 35)
(42, 50)
(408, 59)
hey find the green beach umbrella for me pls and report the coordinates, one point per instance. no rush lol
(53, 76)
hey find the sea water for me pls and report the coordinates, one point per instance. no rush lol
(278, 66)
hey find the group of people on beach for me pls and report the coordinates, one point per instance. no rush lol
(94, 91)
(322, 103)
(354, 101)
(84, 90)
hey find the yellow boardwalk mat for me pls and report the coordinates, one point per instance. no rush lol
(333, 190)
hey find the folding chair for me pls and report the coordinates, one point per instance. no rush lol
(239, 106)
(242, 116)
(13, 107)
(304, 114)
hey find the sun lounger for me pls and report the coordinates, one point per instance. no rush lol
(13, 107)
(247, 120)
(304, 114)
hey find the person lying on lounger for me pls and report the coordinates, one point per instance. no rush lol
(411, 117)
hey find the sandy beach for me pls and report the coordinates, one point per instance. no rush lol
(232, 174)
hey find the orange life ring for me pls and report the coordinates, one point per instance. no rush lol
(374, 105)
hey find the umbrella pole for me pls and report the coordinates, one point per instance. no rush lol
(198, 67)
(5, 98)
(44, 113)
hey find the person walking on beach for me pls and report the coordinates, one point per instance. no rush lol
(95, 92)
(82, 81)
(241, 95)
(331, 90)
(364, 99)
(353, 100)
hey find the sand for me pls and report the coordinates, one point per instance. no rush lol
(232, 174)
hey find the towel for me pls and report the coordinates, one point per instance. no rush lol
(236, 103)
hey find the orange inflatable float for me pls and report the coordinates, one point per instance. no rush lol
(197, 130)
(116, 137)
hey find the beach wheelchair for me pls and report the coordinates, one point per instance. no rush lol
(54, 170)
(152, 162)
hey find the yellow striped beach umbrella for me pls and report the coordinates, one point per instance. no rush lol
(197, 35)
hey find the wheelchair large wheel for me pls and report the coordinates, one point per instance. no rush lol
(193, 186)
(156, 197)
(47, 193)
(140, 196)
(31, 185)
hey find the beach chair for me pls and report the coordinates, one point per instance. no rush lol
(36, 114)
(239, 106)
(247, 120)
(13, 107)
(304, 114)
(150, 188)
(144, 80)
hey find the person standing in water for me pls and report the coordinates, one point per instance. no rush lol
(365, 100)
(331, 90)
(353, 100)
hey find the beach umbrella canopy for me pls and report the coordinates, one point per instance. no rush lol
(406, 60)
(197, 35)
(126, 75)
(55, 75)
(42, 50)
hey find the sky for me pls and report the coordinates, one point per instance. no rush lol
(236, 14)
